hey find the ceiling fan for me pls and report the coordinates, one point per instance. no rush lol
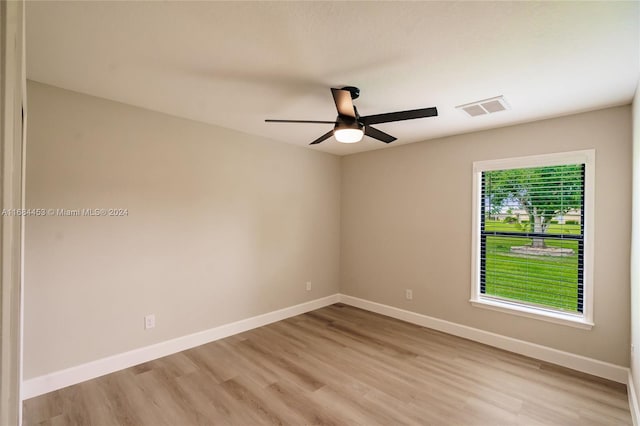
(349, 126)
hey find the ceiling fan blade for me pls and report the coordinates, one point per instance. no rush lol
(323, 137)
(377, 134)
(344, 103)
(399, 116)
(300, 121)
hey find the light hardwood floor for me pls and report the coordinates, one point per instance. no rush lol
(337, 366)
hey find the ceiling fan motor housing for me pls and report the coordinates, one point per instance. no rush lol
(343, 122)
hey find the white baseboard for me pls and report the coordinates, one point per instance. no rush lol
(581, 363)
(633, 400)
(60, 379)
(70, 376)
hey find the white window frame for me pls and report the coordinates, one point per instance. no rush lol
(586, 157)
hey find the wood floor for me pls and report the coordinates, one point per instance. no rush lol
(337, 366)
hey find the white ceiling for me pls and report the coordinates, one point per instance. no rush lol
(234, 64)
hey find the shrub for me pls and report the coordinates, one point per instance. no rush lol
(510, 219)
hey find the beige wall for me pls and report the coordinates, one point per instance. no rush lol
(221, 226)
(406, 223)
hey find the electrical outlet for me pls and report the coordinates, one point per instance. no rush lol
(408, 294)
(308, 285)
(149, 321)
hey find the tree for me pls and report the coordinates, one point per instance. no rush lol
(543, 192)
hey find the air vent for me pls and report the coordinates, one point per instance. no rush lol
(485, 106)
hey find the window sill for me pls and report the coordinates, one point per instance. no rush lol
(539, 314)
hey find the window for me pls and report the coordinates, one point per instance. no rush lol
(532, 248)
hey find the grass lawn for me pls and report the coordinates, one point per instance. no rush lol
(526, 278)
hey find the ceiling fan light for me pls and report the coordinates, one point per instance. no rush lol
(348, 135)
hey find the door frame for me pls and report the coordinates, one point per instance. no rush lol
(12, 148)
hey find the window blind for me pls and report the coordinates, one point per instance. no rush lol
(532, 236)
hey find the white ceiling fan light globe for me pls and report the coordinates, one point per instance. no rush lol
(348, 135)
